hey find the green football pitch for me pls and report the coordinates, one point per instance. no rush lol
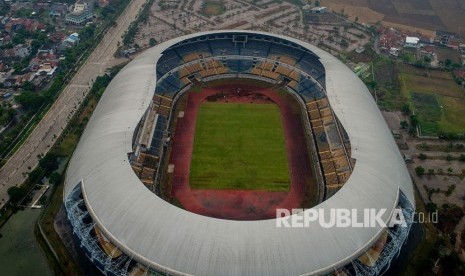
(239, 146)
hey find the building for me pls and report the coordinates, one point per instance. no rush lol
(390, 40)
(84, 5)
(78, 17)
(58, 10)
(411, 42)
(124, 228)
(73, 39)
(319, 10)
(81, 14)
(462, 53)
(448, 39)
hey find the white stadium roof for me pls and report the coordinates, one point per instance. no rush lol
(173, 240)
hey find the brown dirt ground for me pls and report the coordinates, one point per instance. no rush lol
(413, 15)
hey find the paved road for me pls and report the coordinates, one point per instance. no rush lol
(14, 172)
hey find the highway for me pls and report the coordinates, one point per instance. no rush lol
(42, 138)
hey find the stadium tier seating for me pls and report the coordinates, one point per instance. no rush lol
(271, 59)
(261, 56)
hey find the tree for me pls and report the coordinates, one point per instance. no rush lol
(16, 194)
(356, 19)
(4, 8)
(414, 121)
(49, 163)
(54, 178)
(462, 158)
(431, 207)
(422, 156)
(36, 174)
(317, 3)
(404, 124)
(448, 62)
(420, 170)
(344, 43)
(152, 42)
(406, 109)
(30, 101)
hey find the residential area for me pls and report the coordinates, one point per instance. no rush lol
(41, 43)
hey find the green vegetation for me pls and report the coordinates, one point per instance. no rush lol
(37, 105)
(128, 37)
(428, 111)
(16, 194)
(451, 147)
(239, 146)
(422, 156)
(64, 148)
(4, 8)
(152, 42)
(420, 170)
(387, 84)
(112, 11)
(421, 260)
(6, 114)
(436, 99)
(213, 8)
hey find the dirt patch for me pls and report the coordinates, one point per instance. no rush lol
(355, 9)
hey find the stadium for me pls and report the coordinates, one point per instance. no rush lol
(197, 142)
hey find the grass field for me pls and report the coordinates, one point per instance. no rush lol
(437, 100)
(239, 146)
(213, 8)
(429, 112)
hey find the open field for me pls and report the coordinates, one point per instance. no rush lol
(213, 8)
(352, 9)
(388, 91)
(447, 53)
(437, 100)
(429, 112)
(453, 118)
(440, 86)
(239, 146)
(425, 16)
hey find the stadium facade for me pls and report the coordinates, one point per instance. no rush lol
(125, 228)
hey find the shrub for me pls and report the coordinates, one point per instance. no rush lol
(422, 156)
(462, 158)
(420, 170)
(16, 194)
(404, 124)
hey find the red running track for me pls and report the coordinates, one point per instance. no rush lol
(240, 204)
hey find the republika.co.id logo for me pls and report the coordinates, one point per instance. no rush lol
(339, 217)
